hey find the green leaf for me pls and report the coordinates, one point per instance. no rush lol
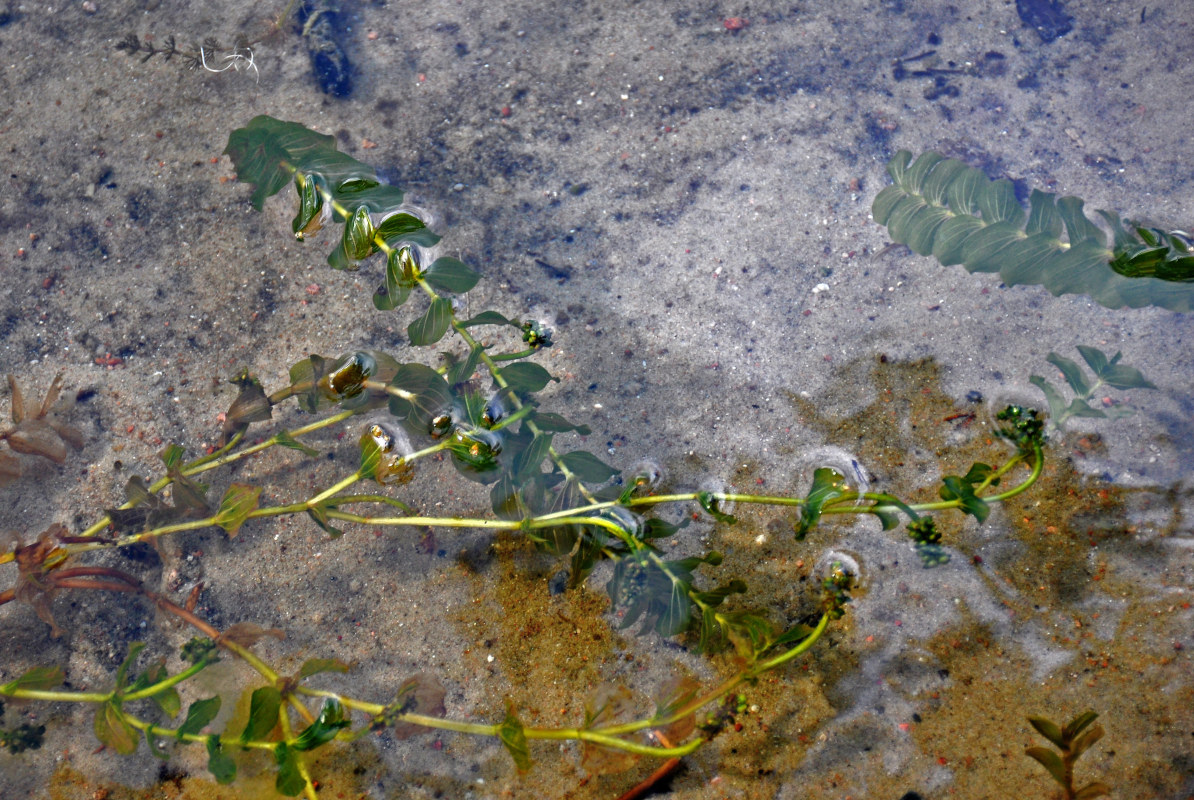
(263, 714)
(151, 741)
(941, 206)
(450, 275)
(406, 227)
(114, 730)
(1084, 741)
(319, 516)
(1072, 372)
(1077, 725)
(1081, 408)
(199, 714)
(304, 377)
(431, 327)
(239, 501)
(1050, 761)
(36, 679)
(674, 613)
(172, 455)
(955, 488)
(588, 467)
(266, 150)
(135, 649)
(401, 276)
(475, 453)
(1095, 359)
(525, 376)
(289, 782)
(219, 763)
(424, 398)
(527, 462)
(461, 371)
(168, 701)
(1057, 404)
(557, 540)
(709, 502)
(504, 500)
(828, 484)
(515, 740)
(310, 216)
(888, 519)
(358, 235)
(1050, 731)
(284, 439)
(655, 528)
(1121, 376)
(332, 717)
(751, 633)
(547, 421)
(314, 666)
(488, 318)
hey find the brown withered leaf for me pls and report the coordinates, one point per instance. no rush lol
(673, 696)
(32, 586)
(251, 405)
(247, 634)
(40, 433)
(18, 401)
(35, 437)
(608, 705)
(418, 694)
(68, 433)
(10, 468)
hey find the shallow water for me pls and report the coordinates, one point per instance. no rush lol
(687, 203)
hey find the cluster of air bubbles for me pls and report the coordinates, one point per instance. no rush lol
(390, 439)
(393, 447)
(850, 562)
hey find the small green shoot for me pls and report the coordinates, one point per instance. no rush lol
(1072, 740)
(1107, 372)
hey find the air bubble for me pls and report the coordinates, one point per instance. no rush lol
(857, 476)
(716, 486)
(646, 476)
(625, 519)
(440, 425)
(494, 411)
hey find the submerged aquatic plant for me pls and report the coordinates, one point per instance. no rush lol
(1072, 740)
(941, 207)
(37, 431)
(1107, 372)
(480, 410)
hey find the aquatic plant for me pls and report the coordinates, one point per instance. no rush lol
(1073, 739)
(941, 207)
(39, 431)
(1107, 372)
(480, 410)
(317, 22)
